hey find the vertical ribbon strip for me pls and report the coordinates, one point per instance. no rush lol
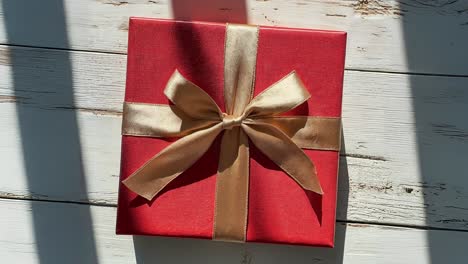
(232, 183)
(195, 117)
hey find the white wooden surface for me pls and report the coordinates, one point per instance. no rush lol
(403, 194)
(356, 243)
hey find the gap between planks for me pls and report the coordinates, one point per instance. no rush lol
(125, 54)
(10, 196)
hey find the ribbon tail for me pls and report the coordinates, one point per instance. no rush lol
(232, 187)
(172, 161)
(288, 156)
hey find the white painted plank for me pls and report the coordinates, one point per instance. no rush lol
(411, 35)
(45, 232)
(411, 127)
(54, 78)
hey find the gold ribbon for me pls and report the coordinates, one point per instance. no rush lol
(198, 120)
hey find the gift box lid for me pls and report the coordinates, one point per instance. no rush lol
(279, 211)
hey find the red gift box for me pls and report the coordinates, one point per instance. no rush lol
(279, 210)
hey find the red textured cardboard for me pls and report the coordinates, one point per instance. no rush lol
(280, 211)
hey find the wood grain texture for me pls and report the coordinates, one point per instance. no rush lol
(402, 36)
(64, 239)
(397, 168)
(405, 135)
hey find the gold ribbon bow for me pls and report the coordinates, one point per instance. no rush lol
(197, 119)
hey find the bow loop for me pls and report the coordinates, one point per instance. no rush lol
(282, 96)
(191, 99)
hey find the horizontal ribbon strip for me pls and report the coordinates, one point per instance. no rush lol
(164, 121)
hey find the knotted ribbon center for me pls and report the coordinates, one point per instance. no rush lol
(230, 121)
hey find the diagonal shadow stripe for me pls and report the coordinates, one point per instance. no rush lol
(50, 139)
(441, 130)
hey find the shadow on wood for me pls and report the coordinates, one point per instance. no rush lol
(200, 251)
(50, 140)
(233, 11)
(440, 122)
